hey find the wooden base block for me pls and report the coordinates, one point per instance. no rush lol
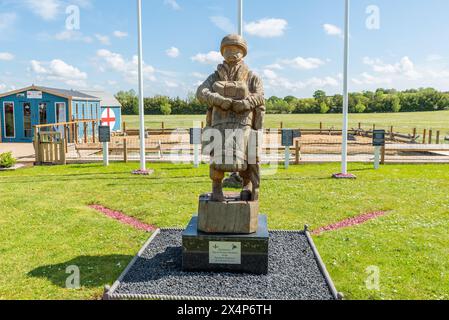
(233, 216)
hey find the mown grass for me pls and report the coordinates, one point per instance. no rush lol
(46, 225)
(402, 122)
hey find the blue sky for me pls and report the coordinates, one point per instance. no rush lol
(295, 45)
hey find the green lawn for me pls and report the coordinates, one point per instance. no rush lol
(403, 122)
(46, 225)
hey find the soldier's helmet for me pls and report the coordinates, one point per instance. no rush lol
(234, 40)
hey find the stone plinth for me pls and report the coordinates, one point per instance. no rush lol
(225, 253)
(233, 216)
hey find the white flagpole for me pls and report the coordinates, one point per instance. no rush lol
(345, 93)
(240, 16)
(141, 102)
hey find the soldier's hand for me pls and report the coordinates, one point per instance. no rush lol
(241, 106)
(226, 104)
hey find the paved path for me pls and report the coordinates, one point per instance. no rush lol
(23, 152)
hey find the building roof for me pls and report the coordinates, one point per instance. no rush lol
(74, 94)
(68, 94)
(107, 99)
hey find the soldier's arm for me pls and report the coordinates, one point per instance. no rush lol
(206, 95)
(255, 100)
(257, 96)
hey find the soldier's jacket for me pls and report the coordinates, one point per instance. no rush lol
(217, 117)
(247, 121)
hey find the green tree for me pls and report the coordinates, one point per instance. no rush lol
(324, 108)
(360, 108)
(166, 109)
(129, 102)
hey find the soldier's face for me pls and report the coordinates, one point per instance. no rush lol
(233, 54)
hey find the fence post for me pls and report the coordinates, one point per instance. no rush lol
(36, 145)
(414, 133)
(125, 150)
(297, 152)
(66, 138)
(383, 155)
(163, 127)
(282, 125)
(438, 137)
(93, 131)
(430, 136)
(360, 126)
(124, 128)
(85, 132)
(424, 136)
(321, 127)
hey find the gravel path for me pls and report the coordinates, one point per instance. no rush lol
(294, 273)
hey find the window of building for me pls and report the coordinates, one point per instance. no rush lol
(60, 112)
(10, 127)
(43, 113)
(27, 130)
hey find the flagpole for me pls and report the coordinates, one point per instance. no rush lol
(240, 16)
(345, 93)
(344, 154)
(141, 102)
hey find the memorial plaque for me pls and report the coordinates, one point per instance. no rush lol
(225, 252)
(195, 136)
(288, 136)
(104, 134)
(379, 138)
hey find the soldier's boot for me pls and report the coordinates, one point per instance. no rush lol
(217, 185)
(217, 191)
(246, 194)
(255, 181)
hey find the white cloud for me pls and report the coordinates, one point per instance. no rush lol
(332, 30)
(213, 57)
(60, 71)
(366, 78)
(173, 4)
(173, 52)
(303, 63)
(275, 66)
(223, 23)
(104, 40)
(120, 34)
(270, 74)
(273, 80)
(6, 56)
(405, 67)
(71, 35)
(267, 28)
(127, 68)
(46, 9)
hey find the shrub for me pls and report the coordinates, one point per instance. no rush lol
(7, 160)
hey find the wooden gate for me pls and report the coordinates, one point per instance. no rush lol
(50, 148)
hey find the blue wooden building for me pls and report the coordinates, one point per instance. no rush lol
(22, 109)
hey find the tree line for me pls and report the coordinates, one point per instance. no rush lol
(379, 101)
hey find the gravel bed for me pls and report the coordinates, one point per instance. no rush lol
(293, 273)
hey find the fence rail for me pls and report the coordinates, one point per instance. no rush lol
(320, 143)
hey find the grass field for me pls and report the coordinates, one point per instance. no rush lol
(403, 122)
(46, 225)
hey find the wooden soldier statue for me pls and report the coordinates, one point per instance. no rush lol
(235, 99)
